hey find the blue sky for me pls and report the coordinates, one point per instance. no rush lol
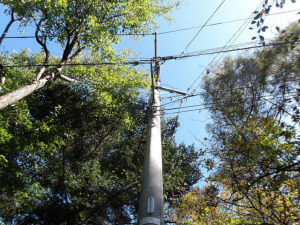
(180, 74)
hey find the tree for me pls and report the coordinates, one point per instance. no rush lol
(254, 103)
(75, 26)
(199, 206)
(74, 159)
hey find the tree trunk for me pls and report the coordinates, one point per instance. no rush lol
(20, 93)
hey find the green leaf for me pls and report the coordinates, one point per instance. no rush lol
(257, 16)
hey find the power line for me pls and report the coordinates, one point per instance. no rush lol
(166, 32)
(203, 26)
(55, 36)
(83, 64)
(207, 52)
(211, 107)
(221, 50)
(239, 33)
(148, 61)
(165, 58)
(224, 90)
(222, 102)
(245, 23)
(231, 21)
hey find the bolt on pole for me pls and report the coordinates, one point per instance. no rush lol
(151, 205)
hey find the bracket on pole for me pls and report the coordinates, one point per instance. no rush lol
(170, 90)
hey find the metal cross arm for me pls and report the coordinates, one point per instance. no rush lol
(170, 90)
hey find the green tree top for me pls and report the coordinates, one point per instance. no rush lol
(77, 26)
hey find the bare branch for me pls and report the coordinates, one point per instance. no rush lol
(41, 43)
(110, 18)
(12, 20)
(67, 78)
(75, 54)
(58, 73)
(42, 70)
(68, 49)
(20, 93)
(39, 74)
(2, 82)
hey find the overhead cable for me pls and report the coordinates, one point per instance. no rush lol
(203, 26)
(219, 23)
(165, 58)
(140, 62)
(222, 49)
(207, 52)
(166, 32)
(223, 90)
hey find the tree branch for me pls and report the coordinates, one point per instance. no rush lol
(37, 83)
(12, 20)
(41, 43)
(2, 82)
(110, 18)
(67, 78)
(42, 70)
(108, 200)
(75, 54)
(70, 59)
(68, 49)
(20, 93)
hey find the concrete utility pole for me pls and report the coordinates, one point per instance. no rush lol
(151, 205)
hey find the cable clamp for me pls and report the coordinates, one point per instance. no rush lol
(150, 220)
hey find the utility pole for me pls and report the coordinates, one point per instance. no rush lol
(151, 205)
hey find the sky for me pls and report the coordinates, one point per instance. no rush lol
(181, 74)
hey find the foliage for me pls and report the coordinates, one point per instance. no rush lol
(76, 26)
(254, 145)
(74, 159)
(72, 153)
(199, 206)
(259, 20)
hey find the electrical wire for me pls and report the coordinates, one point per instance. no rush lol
(221, 50)
(222, 102)
(231, 21)
(166, 32)
(238, 35)
(203, 26)
(56, 36)
(81, 64)
(235, 40)
(166, 58)
(211, 107)
(224, 90)
(231, 50)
